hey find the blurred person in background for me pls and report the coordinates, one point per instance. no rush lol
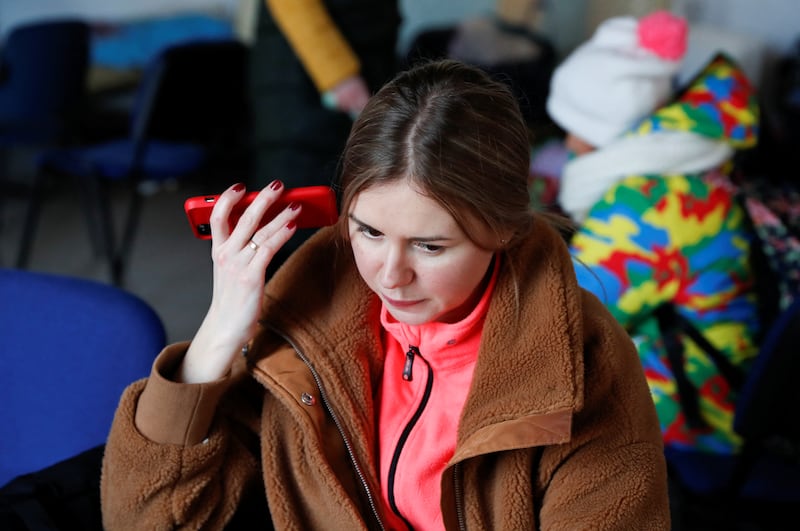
(314, 64)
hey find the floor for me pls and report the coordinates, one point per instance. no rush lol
(169, 268)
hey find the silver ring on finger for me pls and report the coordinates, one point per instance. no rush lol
(253, 245)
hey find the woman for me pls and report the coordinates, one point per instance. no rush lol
(429, 363)
(662, 235)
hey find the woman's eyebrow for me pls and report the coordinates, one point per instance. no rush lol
(352, 217)
(434, 238)
(361, 223)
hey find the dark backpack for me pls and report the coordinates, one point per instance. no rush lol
(66, 497)
(63, 496)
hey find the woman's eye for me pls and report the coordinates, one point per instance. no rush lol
(369, 232)
(429, 248)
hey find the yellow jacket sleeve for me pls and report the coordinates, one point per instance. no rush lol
(318, 43)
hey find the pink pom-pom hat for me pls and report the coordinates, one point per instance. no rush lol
(664, 34)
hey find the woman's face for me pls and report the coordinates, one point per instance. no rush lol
(577, 145)
(414, 256)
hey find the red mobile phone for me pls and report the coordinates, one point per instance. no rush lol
(318, 202)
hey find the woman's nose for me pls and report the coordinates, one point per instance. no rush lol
(396, 271)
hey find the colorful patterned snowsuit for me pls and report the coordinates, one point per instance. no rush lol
(683, 238)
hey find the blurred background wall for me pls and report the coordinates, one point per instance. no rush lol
(13, 12)
(565, 22)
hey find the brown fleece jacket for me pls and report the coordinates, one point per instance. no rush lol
(558, 431)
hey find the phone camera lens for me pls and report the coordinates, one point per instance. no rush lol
(204, 229)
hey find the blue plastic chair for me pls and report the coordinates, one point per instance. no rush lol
(189, 107)
(68, 348)
(43, 68)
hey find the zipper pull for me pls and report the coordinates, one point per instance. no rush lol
(412, 350)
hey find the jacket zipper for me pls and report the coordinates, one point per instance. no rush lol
(457, 492)
(412, 353)
(409, 364)
(339, 427)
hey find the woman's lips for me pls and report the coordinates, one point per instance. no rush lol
(400, 303)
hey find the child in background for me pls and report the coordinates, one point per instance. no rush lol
(660, 227)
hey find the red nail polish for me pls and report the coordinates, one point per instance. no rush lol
(291, 225)
(294, 205)
(238, 187)
(275, 185)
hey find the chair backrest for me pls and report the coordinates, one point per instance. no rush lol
(68, 348)
(43, 70)
(193, 92)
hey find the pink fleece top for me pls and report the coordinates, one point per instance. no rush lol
(418, 416)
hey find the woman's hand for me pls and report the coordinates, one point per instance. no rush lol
(241, 255)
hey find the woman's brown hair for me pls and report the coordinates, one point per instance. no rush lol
(459, 137)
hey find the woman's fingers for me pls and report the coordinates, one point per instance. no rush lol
(221, 213)
(248, 239)
(252, 216)
(268, 239)
(249, 234)
(247, 217)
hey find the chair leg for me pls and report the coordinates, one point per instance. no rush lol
(90, 197)
(109, 247)
(129, 231)
(99, 210)
(31, 222)
(3, 185)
